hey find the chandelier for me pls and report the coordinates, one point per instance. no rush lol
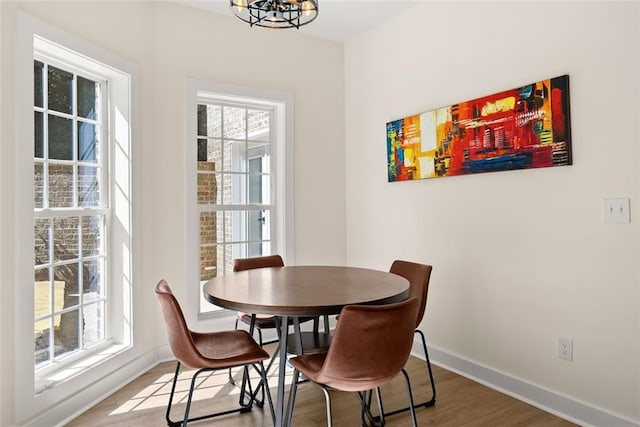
(275, 13)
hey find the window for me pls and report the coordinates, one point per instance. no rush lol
(71, 212)
(239, 163)
(81, 218)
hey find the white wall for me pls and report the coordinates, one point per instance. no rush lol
(522, 257)
(169, 44)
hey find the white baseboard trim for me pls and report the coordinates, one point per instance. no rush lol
(102, 388)
(547, 400)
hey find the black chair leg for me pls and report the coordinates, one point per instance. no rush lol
(243, 407)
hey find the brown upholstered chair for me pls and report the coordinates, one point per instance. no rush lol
(356, 360)
(209, 352)
(418, 276)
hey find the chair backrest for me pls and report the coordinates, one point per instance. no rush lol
(370, 346)
(180, 338)
(241, 264)
(418, 276)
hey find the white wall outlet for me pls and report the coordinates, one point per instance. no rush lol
(565, 348)
(616, 211)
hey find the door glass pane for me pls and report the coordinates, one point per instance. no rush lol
(87, 90)
(60, 138)
(60, 90)
(60, 186)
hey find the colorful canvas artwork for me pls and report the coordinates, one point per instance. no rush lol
(521, 128)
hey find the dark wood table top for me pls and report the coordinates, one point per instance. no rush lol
(304, 290)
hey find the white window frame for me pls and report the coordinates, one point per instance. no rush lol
(44, 389)
(282, 238)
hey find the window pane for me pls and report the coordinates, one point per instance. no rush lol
(93, 324)
(60, 186)
(38, 137)
(60, 90)
(234, 122)
(42, 234)
(234, 228)
(235, 156)
(207, 185)
(259, 249)
(259, 225)
(88, 186)
(42, 336)
(65, 238)
(234, 189)
(214, 153)
(66, 278)
(226, 255)
(42, 293)
(38, 184)
(91, 235)
(92, 283)
(87, 90)
(60, 138)
(66, 337)
(87, 142)
(258, 123)
(37, 84)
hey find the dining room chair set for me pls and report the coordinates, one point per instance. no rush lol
(354, 361)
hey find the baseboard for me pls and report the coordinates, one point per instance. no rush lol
(547, 400)
(102, 388)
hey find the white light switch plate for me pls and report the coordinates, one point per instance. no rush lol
(616, 211)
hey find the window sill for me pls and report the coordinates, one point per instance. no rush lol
(50, 379)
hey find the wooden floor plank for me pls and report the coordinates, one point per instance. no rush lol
(460, 402)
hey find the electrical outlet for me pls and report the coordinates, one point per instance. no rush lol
(565, 348)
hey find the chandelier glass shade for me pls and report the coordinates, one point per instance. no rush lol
(275, 13)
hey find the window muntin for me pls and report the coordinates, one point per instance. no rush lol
(235, 202)
(71, 212)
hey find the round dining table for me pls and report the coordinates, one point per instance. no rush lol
(300, 291)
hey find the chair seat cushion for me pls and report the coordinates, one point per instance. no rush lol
(225, 349)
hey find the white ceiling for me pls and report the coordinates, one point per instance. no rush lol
(338, 20)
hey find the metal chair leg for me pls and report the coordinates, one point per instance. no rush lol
(243, 407)
(431, 401)
(414, 421)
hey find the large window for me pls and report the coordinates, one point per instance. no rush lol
(239, 159)
(81, 198)
(71, 212)
(234, 184)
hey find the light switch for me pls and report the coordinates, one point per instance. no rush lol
(616, 211)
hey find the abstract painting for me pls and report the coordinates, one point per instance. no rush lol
(521, 128)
